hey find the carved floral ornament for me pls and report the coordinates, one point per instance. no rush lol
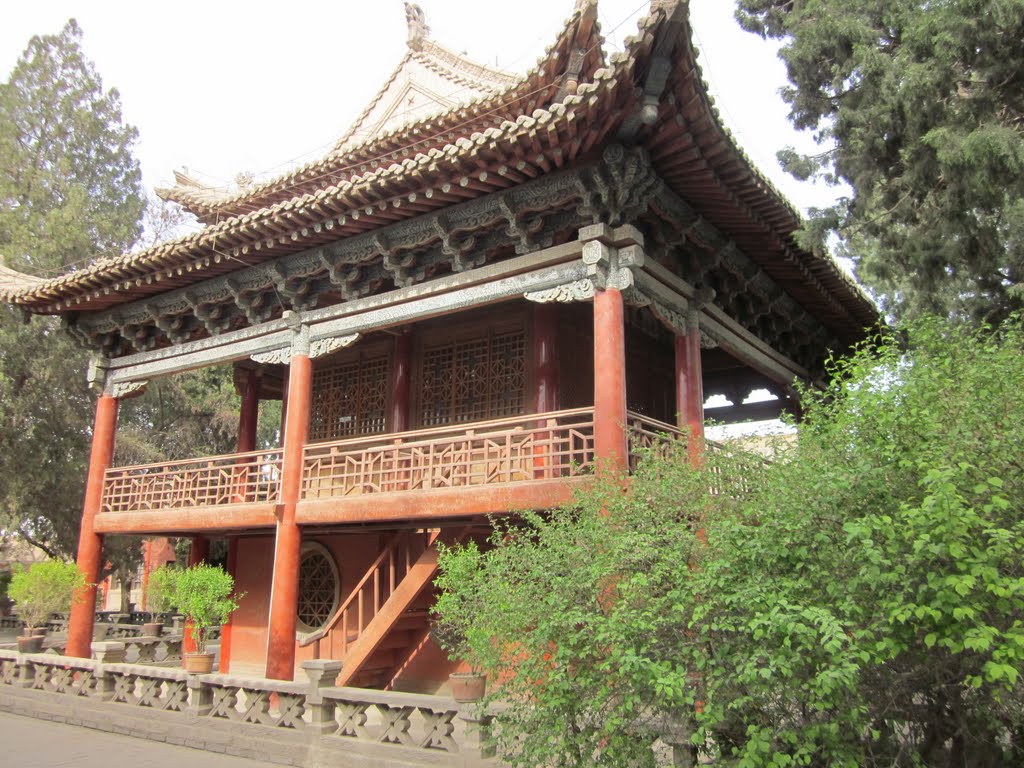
(127, 388)
(610, 267)
(313, 349)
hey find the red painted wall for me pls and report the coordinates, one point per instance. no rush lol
(249, 622)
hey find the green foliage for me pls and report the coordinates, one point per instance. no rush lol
(45, 412)
(919, 108)
(459, 582)
(160, 590)
(574, 613)
(69, 185)
(69, 189)
(860, 603)
(204, 594)
(43, 589)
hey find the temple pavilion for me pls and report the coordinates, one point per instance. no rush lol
(491, 285)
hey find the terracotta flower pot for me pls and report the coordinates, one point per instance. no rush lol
(152, 628)
(199, 663)
(30, 643)
(467, 686)
(39, 631)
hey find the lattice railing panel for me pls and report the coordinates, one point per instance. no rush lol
(239, 478)
(649, 435)
(536, 447)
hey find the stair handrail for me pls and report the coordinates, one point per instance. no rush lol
(389, 549)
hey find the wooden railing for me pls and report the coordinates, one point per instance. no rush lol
(652, 436)
(534, 447)
(544, 446)
(373, 590)
(237, 478)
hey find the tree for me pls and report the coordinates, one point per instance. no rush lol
(859, 602)
(70, 188)
(69, 191)
(919, 108)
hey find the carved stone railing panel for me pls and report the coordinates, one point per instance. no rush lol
(239, 478)
(55, 675)
(8, 671)
(397, 728)
(431, 723)
(535, 447)
(151, 687)
(257, 701)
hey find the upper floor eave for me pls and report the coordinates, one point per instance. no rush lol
(639, 140)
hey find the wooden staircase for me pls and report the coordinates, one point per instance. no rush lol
(385, 618)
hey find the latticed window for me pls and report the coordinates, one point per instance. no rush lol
(474, 380)
(349, 398)
(318, 587)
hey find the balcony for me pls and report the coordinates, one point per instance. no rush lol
(462, 470)
(450, 471)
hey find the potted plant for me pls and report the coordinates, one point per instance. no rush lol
(204, 594)
(453, 624)
(159, 599)
(41, 590)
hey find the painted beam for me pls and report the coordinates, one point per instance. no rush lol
(188, 520)
(438, 503)
(492, 283)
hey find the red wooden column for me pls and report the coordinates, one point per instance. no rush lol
(690, 387)
(610, 448)
(284, 401)
(226, 630)
(545, 357)
(401, 382)
(248, 413)
(90, 543)
(545, 380)
(248, 418)
(285, 589)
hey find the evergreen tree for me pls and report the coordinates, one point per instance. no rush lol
(919, 108)
(70, 188)
(70, 191)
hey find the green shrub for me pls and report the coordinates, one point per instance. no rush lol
(204, 594)
(859, 602)
(160, 590)
(45, 588)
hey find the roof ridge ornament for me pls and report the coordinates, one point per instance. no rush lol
(418, 29)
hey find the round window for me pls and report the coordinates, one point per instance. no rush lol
(319, 586)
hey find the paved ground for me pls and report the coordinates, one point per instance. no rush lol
(30, 743)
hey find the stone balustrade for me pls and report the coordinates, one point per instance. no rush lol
(305, 723)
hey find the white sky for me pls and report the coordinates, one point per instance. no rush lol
(225, 86)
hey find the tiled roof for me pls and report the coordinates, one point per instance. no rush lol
(688, 145)
(13, 282)
(495, 97)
